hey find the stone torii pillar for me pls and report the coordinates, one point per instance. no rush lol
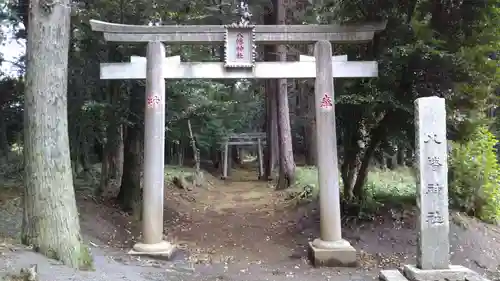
(329, 249)
(154, 162)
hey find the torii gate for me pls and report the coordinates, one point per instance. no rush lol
(330, 249)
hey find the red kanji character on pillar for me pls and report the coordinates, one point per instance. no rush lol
(326, 102)
(153, 101)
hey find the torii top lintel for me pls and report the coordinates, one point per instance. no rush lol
(269, 34)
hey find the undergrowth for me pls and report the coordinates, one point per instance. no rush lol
(383, 186)
(172, 172)
(475, 176)
(12, 166)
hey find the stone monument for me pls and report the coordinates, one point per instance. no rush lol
(433, 247)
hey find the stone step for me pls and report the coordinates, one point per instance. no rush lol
(391, 275)
(476, 277)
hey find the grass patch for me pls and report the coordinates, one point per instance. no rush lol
(397, 185)
(306, 178)
(172, 171)
(382, 186)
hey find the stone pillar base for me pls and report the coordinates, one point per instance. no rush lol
(332, 254)
(412, 273)
(163, 249)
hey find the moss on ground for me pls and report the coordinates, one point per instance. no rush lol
(86, 262)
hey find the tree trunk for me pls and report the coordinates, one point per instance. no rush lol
(401, 155)
(389, 160)
(112, 164)
(50, 219)
(4, 143)
(75, 103)
(74, 129)
(180, 154)
(349, 169)
(380, 160)
(409, 157)
(271, 152)
(362, 176)
(286, 159)
(310, 128)
(235, 156)
(85, 153)
(357, 160)
(131, 189)
(215, 156)
(130, 196)
(351, 137)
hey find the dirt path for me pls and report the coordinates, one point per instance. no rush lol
(242, 230)
(240, 220)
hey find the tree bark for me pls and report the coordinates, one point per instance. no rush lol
(50, 219)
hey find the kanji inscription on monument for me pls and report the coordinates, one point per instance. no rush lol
(431, 137)
(434, 218)
(239, 46)
(434, 162)
(434, 188)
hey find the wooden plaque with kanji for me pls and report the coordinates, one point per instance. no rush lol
(239, 47)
